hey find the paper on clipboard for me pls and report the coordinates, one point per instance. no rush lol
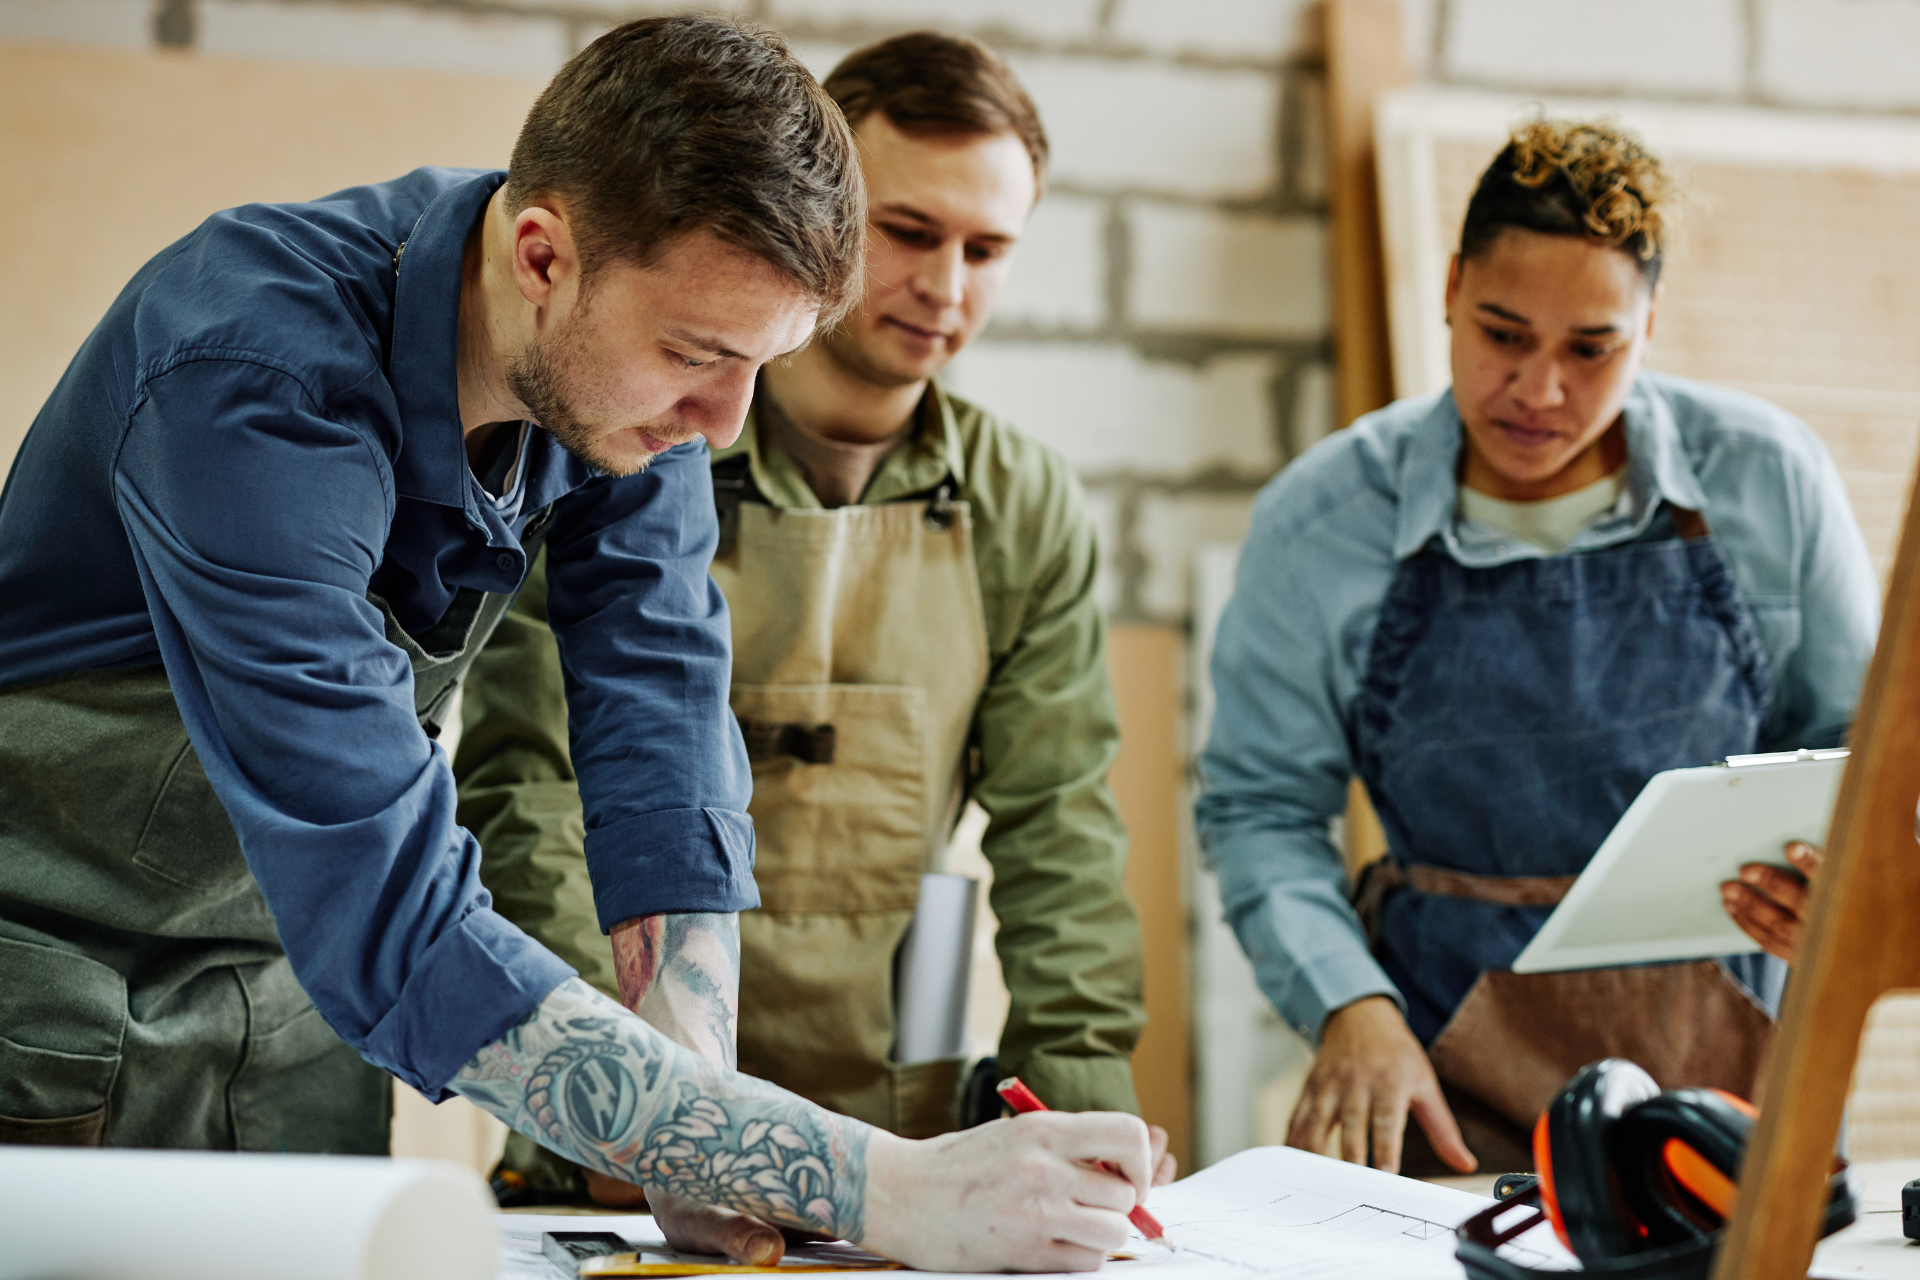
(1652, 891)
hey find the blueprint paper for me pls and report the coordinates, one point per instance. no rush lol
(1271, 1211)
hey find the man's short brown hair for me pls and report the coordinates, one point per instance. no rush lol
(670, 125)
(929, 82)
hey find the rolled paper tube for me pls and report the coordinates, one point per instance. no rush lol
(93, 1214)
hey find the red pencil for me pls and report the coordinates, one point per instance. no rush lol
(1022, 1099)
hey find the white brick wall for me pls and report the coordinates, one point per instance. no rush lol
(114, 24)
(1312, 409)
(1059, 276)
(1855, 53)
(1045, 19)
(1142, 124)
(368, 35)
(1171, 529)
(1266, 29)
(1664, 46)
(1239, 273)
(1108, 410)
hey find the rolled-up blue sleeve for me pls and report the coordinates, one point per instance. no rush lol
(1277, 761)
(257, 518)
(645, 641)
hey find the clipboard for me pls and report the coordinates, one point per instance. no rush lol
(1652, 890)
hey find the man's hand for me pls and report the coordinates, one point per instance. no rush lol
(1771, 904)
(1020, 1194)
(1370, 1070)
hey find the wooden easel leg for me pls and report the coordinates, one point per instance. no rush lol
(1862, 940)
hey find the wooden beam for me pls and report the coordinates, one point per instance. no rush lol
(1862, 940)
(1366, 57)
(1146, 662)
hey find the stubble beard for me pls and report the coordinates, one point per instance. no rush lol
(539, 380)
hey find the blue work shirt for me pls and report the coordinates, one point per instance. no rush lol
(264, 428)
(1328, 534)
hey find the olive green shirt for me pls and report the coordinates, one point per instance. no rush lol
(1044, 736)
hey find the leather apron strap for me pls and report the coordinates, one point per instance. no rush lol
(1383, 875)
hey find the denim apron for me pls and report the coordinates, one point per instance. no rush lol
(1507, 718)
(145, 1000)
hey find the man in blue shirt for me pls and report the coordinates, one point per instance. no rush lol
(278, 501)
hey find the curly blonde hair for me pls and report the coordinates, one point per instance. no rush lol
(1585, 178)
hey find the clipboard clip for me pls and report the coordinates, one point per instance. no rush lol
(1785, 757)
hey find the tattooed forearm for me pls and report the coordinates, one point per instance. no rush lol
(682, 973)
(588, 1079)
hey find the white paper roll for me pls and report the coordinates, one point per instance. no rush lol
(932, 969)
(90, 1214)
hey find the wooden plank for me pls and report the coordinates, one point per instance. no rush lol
(130, 151)
(1366, 57)
(1862, 940)
(1146, 662)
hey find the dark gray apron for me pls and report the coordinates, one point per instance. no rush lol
(145, 1000)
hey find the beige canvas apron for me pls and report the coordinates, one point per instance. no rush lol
(860, 651)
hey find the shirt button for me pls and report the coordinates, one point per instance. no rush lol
(505, 560)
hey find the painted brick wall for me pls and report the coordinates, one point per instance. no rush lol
(1166, 328)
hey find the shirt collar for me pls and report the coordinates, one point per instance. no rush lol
(423, 367)
(923, 460)
(1429, 487)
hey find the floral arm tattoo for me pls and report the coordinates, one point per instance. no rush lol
(681, 972)
(588, 1079)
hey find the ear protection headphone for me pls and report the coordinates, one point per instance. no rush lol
(1638, 1183)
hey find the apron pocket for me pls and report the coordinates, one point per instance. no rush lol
(1519, 1037)
(64, 1017)
(188, 839)
(849, 835)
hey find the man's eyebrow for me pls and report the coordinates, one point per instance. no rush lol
(712, 346)
(1505, 314)
(907, 211)
(912, 214)
(1596, 330)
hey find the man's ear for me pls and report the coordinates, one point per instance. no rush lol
(1453, 286)
(1653, 306)
(546, 264)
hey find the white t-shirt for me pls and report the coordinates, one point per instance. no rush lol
(1550, 524)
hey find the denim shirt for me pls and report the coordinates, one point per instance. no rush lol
(264, 428)
(1328, 534)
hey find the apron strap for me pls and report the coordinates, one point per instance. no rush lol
(1688, 523)
(1380, 877)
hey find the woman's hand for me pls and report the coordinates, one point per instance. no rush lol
(1769, 904)
(1369, 1072)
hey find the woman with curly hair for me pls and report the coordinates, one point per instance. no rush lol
(1504, 608)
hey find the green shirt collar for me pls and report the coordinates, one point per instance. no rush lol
(928, 456)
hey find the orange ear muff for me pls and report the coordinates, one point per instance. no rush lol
(1699, 1177)
(1572, 1154)
(1543, 1168)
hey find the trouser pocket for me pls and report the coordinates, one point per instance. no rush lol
(64, 1017)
